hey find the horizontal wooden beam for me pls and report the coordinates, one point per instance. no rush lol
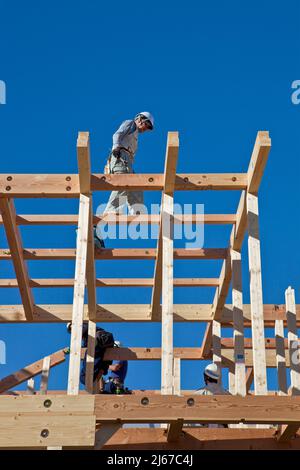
(228, 357)
(67, 185)
(120, 219)
(116, 253)
(149, 354)
(113, 282)
(58, 313)
(219, 409)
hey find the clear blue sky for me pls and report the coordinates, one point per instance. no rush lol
(215, 71)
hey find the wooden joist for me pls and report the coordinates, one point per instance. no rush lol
(30, 371)
(198, 409)
(120, 219)
(116, 253)
(57, 313)
(113, 282)
(67, 185)
(13, 235)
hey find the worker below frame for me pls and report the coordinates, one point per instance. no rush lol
(120, 161)
(212, 380)
(117, 375)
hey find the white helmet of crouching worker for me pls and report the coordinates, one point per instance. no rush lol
(118, 344)
(146, 116)
(212, 371)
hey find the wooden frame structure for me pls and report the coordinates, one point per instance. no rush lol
(77, 419)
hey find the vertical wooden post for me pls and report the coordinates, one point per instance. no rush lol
(231, 380)
(287, 432)
(280, 357)
(90, 357)
(167, 296)
(216, 346)
(78, 298)
(176, 378)
(45, 375)
(30, 386)
(256, 297)
(238, 324)
(293, 345)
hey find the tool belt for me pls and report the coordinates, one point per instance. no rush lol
(107, 169)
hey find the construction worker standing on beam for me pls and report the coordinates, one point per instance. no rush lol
(120, 161)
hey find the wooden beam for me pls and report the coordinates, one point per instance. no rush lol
(8, 211)
(57, 313)
(116, 253)
(258, 161)
(67, 185)
(120, 219)
(216, 346)
(112, 282)
(32, 421)
(219, 409)
(256, 297)
(30, 386)
(27, 372)
(78, 297)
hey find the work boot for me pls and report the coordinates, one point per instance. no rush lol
(98, 242)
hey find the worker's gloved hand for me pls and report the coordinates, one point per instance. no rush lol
(117, 152)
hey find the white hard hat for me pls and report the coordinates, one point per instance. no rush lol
(69, 327)
(148, 117)
(118, 344)
(212, 371)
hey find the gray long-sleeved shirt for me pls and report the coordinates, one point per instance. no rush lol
(126, 136)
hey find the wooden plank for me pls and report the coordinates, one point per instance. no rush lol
(256, 297)
(13, 235)
(112, 282)
(287, 432)
(228, 357)
(45, 375)
(280, 357)
(30, 371)
(116, 253)
(78, 297)
(238, 324)
(167, 296)
(35, 404)
(57, 313)
(183, 182)
(174, 430)
(67, 185)
(62, 430)
(202, 409)
(123, 219)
